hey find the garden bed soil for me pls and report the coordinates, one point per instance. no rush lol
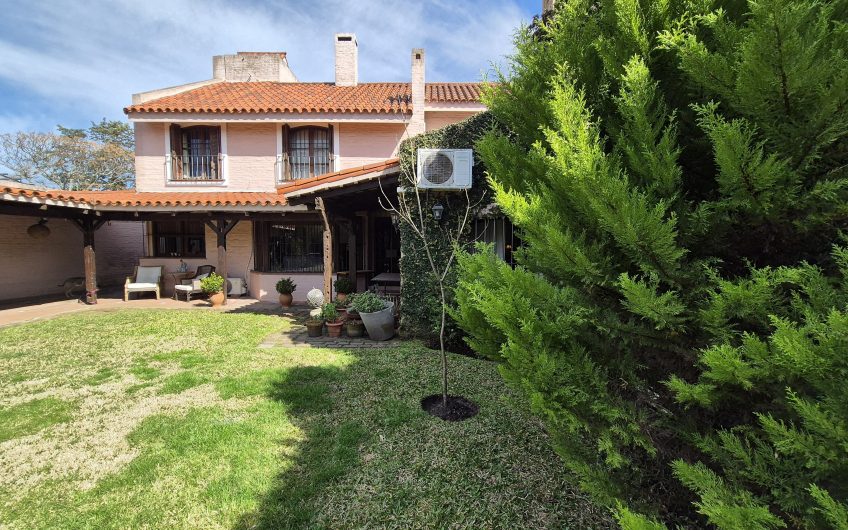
(458, 408)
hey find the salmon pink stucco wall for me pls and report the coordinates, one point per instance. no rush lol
(439, 119)
(36, 267)
(366, 143)
(250, 151)
(263, 285)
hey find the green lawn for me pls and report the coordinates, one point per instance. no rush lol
(177, 419)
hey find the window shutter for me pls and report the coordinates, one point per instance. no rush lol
(331, 154)
(215, 140)
(176, 140)
(286, 173)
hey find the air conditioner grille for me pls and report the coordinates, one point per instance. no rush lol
(438, 168)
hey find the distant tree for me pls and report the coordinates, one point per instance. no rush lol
(98, 158)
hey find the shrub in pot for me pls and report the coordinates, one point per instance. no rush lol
(354, 328)
(376, 314)
(330, 315)
(343, 286)
(314, 327)
(213, 285)
(286, 287)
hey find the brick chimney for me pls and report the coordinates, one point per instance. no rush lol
(253, 66)
(416, 122)
(347, 59)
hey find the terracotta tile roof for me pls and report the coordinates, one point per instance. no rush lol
(266, 96)
(384, 166)
(130, 198)
(453, 92)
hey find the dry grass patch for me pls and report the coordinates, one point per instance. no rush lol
(176, 419)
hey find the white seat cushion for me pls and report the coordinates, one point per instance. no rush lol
(141, 286)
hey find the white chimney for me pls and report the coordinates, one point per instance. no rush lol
(418, 89)
(347, 59)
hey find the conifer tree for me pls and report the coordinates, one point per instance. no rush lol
(678, 171)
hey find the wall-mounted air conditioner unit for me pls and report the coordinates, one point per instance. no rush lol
(236, 287)
(444, 169)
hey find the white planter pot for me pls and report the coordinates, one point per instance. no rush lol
(380, 325)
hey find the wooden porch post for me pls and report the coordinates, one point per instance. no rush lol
(328, 250)
(351, 251)
(88, 226)
(222, 227)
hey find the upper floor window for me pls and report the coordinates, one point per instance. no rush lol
(196, 153)
(307, 151)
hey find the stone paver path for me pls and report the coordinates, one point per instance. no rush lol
(297, 336)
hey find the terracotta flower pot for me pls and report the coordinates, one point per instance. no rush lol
(334, 329)
(354, 328)
(314, 328)
(286, 299)
(341, 297)
(217, 299)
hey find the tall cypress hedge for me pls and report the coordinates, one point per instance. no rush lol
(679, 318)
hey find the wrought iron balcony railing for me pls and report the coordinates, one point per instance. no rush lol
(294, 167)
(194, 168)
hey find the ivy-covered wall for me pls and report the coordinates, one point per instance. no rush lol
(420, 307)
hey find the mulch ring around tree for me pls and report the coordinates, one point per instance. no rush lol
(458, 408)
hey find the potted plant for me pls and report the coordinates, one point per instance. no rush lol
(377, 315)
(354, 327)
(341, 307)
(343, 286)
(314, 327)
(331, 316)
(213, 285)
(286, 287)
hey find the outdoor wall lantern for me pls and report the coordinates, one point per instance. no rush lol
(438, 209)
(38, 230)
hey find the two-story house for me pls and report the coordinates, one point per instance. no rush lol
(219, 164)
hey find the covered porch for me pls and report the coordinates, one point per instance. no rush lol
(220, 216)
(361, 239)
(313, 230)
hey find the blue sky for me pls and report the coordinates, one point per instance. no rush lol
(74, 61)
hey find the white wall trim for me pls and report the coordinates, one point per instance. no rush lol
(461, 107)
(301, 118)
(225, 165)
(337, 158)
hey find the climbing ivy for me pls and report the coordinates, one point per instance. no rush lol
(420, 307)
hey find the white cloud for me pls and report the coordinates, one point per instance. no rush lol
(87, 58)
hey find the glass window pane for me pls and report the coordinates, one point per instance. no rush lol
(295, 248)
(299, 153)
